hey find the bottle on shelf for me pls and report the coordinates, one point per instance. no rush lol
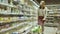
(9, 10)
(0, 10)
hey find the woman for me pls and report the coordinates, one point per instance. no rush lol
(42, 12)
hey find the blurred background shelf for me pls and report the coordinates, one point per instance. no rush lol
(17, 16)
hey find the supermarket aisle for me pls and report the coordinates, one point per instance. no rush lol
(50, 30)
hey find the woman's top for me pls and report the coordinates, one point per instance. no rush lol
(43, 12)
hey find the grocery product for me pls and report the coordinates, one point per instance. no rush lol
(37, 29)
(15, 33)
(7, 25)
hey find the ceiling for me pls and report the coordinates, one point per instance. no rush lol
(50, 1)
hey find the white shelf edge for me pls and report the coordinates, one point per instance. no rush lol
(17, 20)
(15, 14)
(7, 5)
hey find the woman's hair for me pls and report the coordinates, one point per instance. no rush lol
(41, 3)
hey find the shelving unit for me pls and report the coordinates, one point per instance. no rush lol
(53, 17)
(17, 16)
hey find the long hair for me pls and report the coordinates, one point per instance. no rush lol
(42, 2)
(41, 7)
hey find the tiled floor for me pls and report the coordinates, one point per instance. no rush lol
(50, 30)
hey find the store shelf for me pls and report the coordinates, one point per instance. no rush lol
(11, 15)
(54, 15)
(3, 30)
(51, 24)
(27, 31)
(34, 3)
(24, 29)
(16, 14)
(54, 5)
(23, 11)
(8, 5)
(4, 22)
(26, 10)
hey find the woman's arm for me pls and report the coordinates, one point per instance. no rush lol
(45, 15)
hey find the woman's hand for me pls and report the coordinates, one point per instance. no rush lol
(44, 19)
